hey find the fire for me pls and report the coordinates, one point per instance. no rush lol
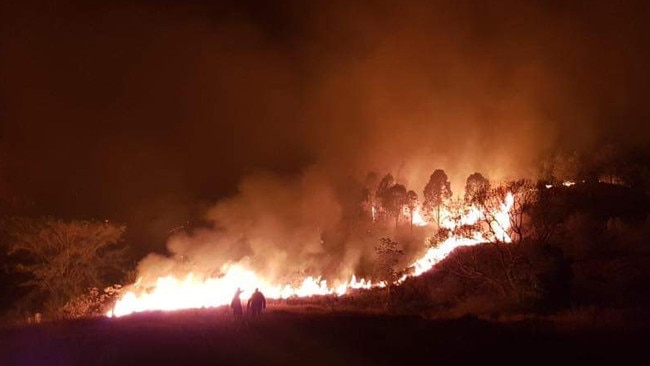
(499, 226)
(194, 291)
(418, 220)
(170, 293)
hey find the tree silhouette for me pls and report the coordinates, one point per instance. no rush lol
(388, 256)
(436, 192)
(370, 193)
(63, 259)
(412, 204)
(382, 191)
(477, 188)
(394, 201)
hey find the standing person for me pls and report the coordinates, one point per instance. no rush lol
(256, 303)
(235, 305)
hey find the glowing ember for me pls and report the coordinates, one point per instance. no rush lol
(567, 183)
(171, 293)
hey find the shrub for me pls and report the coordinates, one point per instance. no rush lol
(92, 303)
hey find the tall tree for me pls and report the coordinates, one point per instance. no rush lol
(517, 259)
(382, 191)
(412, 204)
(477, 188)
(370, 193)
(436, 193)
(388, 256)
(62, 259)
(394, 201)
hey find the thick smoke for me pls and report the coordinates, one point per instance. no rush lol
(275, 224)
(406, 89)
(295, 102)
(470, 87)
(286, 229)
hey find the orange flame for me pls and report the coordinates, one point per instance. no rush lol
(171, 293)
(418, 220)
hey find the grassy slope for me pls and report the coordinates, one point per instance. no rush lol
(315, 332)
(282, 337)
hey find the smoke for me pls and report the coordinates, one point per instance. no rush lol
(294, 103)
(406, 90)
(470, 87)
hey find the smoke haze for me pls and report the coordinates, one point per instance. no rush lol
(263, 118)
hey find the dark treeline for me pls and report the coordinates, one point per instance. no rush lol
(580, 247)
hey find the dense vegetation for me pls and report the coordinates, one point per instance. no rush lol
(586, 246)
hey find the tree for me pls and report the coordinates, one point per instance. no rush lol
(382, 190)
(370, 193)
(394, 201)
(510, 268)
(62, 259)
(388, 256)
(436, 192)
(513, 225)
(477, 188)
(412, 204)
(535, 211)
(385, 184)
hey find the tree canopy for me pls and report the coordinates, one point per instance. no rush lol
(436, 192)
(477, 188)
(62, 259)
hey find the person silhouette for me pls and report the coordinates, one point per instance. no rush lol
(235, 305)
(256, 303)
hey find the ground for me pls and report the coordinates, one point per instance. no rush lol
(285, 337)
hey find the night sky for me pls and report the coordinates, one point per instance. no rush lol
(151, 112)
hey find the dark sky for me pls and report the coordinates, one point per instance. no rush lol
(147, 112)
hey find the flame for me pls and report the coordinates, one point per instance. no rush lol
(170, 293)
(194, 291)
(499, 227)
(418, 220)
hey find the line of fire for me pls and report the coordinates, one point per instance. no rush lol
(485, 214)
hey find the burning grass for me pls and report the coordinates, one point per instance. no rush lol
(464, 225)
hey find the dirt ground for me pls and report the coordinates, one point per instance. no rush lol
(281, 337)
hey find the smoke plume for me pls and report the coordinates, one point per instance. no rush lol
(293, 103)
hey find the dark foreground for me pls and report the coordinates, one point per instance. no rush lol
(211, 337)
